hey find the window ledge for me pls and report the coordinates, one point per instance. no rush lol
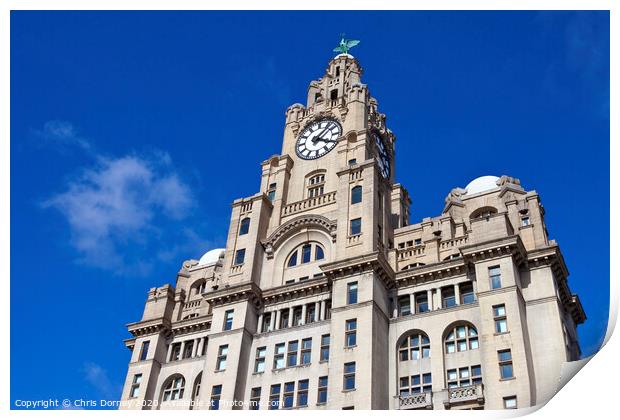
(324, 361)
(512, 378)
(350, 347)
(349, 390)
(501, 333)
(219, 370)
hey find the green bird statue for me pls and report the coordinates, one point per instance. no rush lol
(346, 45)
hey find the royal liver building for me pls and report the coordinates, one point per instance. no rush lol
(327, 297)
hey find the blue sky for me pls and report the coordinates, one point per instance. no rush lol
(124, 125)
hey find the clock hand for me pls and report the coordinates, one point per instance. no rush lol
(318, 137)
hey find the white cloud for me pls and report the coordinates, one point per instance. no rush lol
(98, 378)
(62, 134)
(115, 209)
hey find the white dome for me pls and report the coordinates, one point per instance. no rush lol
(480, 184)
(211, 256)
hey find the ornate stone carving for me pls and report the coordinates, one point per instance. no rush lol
(315, 221)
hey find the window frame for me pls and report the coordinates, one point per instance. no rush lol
(356, 194)
(323, 385)
(352, 292)
(135, 386)
(495, 277)
(349, 376)
(350, 333)
(324, 357)
(452, 338)
(355, 226)
(417, 342)
(260, 359)
(505, 362)
(500, 319)
(222, 356)
(228, 319)
(244, 226)
(239, 257)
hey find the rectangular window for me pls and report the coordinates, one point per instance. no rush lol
(352, 293)
(322, 392)
(259, 362)
(328, 309)
(271, 192)
(310, 314)
(293, 346)
(356, 227)
(421, 301)
(274, 397)
(302, 393)
(228, 319)
(349, 376)
(499, 316)
(221, 357)
(306, 351)
(352, 162)
(525, 221)
(284, 318)
(266, 322)
(447, 294)
(189, 347)
(144, 351)
(417, 242)
(216, 394)
(505, 364)
(278, 357)
(255, 398)
(464, 376)
(239, 256)
(324, 347)
(135, 385)
(404, 305)
(495, 277)
(289, 394)
(350, 336)
(510, 402)
(356, 194)
(297, 316)
(467, 293)
(176, 352)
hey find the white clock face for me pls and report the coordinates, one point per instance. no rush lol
(383, 157)
(318, 139)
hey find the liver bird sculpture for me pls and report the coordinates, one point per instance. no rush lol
(345, 45)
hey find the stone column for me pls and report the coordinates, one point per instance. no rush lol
(438, 295)
(474, 286)
(412, 303)
(169, 356)
(303, 314)
(429, 300)
(322, 310)
(278, 315)
(272, 322)
(457, 294)
(201, 345)
(259, 327)
(195, 349)
(317, 311)
(182, 350)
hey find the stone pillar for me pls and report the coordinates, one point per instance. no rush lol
(169, 356)
(430, 300)
(474, 286)
(317, 311)
(412, 303)
(304, 311)
(195, 348)
(278, 315)
(272, 322)
(322, 310)
(259, 328)
(457, 294)
(201, 343)
(182, 351)
(438, 296)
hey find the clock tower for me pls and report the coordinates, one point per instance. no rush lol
(326, 297)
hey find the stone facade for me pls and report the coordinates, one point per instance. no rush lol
(326, 297)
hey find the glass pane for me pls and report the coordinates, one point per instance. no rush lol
(404, 355)
(293, 260)
(506, 370)
(426, 378)
(404, 382)
(462, 345)
(452, 374)
(426, 352)
(473, 343)
(460, 332)
(415, 354)
(500, 310)
(464, 373)
(305, 252)
(415, 380)
(476, 370)
(472, 332)
(450, 348)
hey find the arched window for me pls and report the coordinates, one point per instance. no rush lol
(356, 194)
(174, 388)
(245, 226)
(316, 185)
(292, 261)
(201, 287)
(304, 253)
(415, 347)
(196, 391)
(462, 337)
(483, 212)
(318, 253)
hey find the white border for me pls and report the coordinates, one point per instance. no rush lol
(591, 393)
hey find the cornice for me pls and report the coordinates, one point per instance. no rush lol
(374, 261)
(431, 272)
(237, 293)
(192, 325)
(510, 245)
(296, 290)
(148, 327)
